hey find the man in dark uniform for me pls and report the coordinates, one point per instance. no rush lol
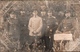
(60, 16)
(23, 19)
(44, 17)
(13, 31)
(51, 24)
(22, 25)
(66, 26)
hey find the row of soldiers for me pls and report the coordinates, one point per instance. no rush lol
(46, 26)
(43, 28)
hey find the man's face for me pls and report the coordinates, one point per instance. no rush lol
(43, 13)
(61, 13)
(12, 15)
(35, 13)
(68, 14)
(43, 7)
(22, 12)
(49, 13)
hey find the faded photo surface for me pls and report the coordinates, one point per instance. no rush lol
(40, 26)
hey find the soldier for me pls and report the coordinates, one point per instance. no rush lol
(13, 30)
(60, 16)
(43, 31)
(23, 19)
(66, 26)
(43, 16)
(51, 24)
(35, 26)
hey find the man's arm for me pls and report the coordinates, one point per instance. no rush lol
(30, 24)
(59, 28)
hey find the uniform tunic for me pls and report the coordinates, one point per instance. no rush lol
(35, 24)
(44, 25)
(67, 24)
(14, 28)
(51, 24)
(66, 27)
(14, 33)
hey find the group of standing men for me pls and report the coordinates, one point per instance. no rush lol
(43, 28)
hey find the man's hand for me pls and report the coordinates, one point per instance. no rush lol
(10, 23)
(58, 31)
(47, 26)
(56, 23)
(34, 32)
(50, 30)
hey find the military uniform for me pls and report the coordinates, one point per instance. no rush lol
(44, 23)
(23, 25)
(43, 31)
(35, 25)
(13, 32)
(67, 24)
(51, 24)
(67, 27)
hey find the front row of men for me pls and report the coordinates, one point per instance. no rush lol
(45, 27)
(42, 28)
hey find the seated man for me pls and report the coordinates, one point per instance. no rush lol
(66, 27)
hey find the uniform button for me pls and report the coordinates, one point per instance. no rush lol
(14, 28)
(49, 37)
(65, 27)
(24, 25)
(47, 26)
(43, 19)
(50, 30)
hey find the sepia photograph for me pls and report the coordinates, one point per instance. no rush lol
(40, 26)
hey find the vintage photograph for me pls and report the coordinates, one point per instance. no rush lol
(40, 26)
